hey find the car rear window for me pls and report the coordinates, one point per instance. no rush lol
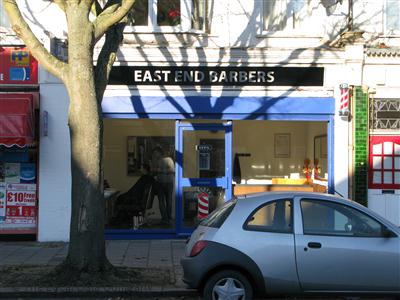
(218, 216)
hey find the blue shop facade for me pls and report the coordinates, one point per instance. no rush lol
(229, 131)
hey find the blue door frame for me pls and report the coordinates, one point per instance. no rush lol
(181, 182)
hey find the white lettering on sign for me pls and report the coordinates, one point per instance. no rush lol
(21, 198)
(271, 76)
(1, 77)
(198, 76)
(137, 74)
(189, 76)
(161, 75)
(213, 76)
(242, 76)
(147, 76)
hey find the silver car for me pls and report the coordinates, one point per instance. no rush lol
(292, 243)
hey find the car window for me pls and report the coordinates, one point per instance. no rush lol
(218, 216)
(274, 216)
(321, 217)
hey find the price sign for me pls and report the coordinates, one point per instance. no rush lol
(20, 204)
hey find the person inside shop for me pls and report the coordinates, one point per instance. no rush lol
(135, 199)
(164, 170)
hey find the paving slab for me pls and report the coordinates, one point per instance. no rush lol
(164, 254)
(137, 255)
(160, 254)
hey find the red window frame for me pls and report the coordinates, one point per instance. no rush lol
(374, 140)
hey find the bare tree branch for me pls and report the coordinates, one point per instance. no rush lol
(21, 28)
(107, 57)
(61, 4)
(110, 16)
(88, 3)
(97, 9)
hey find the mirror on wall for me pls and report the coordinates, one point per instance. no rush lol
(321, 156)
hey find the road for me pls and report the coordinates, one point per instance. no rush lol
(198, 298)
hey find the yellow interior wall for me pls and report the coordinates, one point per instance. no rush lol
(257, 139)
(317, 129)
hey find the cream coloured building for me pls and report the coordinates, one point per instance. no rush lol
(244, 96)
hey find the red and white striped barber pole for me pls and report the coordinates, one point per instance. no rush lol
(202, 206)
(344, 100)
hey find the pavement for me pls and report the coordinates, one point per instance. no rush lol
(156, 254)
(163, 254)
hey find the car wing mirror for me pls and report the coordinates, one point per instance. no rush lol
(387, 233)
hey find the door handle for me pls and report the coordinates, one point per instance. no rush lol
(314, 245)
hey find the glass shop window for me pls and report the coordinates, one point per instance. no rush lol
(384, 166)
(277, 155)
(3, 17)
(168, 15)
(392, 16)
(297, 15)
(385, 114)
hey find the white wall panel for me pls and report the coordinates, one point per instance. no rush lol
(54, 166)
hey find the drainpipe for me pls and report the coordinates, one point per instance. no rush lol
(350, 17)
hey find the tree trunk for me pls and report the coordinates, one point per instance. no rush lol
(87, 245)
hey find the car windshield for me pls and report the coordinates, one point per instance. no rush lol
(218, 216)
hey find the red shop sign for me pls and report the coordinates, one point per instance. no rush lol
(17, 66)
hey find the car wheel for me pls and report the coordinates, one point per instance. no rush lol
(228, 284)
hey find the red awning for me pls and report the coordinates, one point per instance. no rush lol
(16, 120)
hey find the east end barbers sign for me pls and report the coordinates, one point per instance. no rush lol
(226, 76)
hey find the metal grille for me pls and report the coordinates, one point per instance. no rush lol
(385, 114)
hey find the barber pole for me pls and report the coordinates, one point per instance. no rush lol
(203, 201)
(344, 100)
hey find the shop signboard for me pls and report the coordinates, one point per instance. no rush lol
(225, 76)
(17, 66)
(21, 205)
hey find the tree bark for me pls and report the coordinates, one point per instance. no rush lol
(87, 244)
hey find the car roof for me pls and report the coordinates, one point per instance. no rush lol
(291, 194)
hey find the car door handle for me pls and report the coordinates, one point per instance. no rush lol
(314, 245)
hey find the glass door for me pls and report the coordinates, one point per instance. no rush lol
(203, 171)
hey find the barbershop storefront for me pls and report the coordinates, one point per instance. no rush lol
(229, 131)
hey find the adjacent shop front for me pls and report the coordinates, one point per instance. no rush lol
(19, 102)
(228, 130)
(384, 156)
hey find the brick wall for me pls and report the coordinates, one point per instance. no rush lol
(360, 113)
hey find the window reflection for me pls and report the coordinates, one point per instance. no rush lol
(3, 17)
(199, 15)
(140, 175)
(138, 16)
(168, 12)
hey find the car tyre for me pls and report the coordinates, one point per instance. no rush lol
(227, 283)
